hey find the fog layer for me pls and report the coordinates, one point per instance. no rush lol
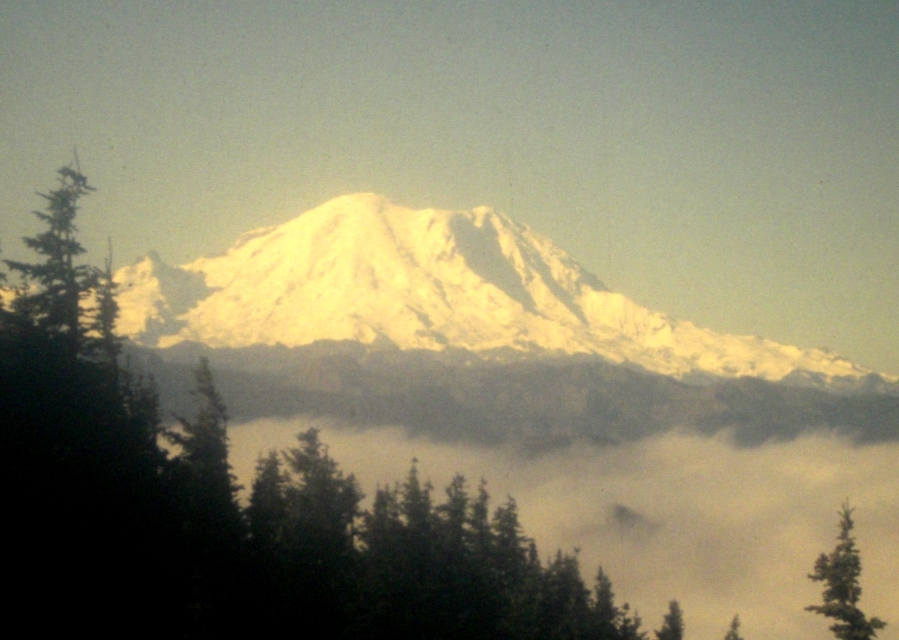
(723, 529)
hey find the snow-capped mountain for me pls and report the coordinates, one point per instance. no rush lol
(361, 268)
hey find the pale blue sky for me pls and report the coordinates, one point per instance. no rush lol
(731, 163)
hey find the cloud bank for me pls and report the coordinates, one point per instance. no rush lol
(723, 529)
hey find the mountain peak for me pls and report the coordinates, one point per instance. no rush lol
(362, 268)
(370, 201)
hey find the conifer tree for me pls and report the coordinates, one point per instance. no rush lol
(464, 582)
(319, 535)
(565, 601)
(267, 511)
(382, 525)
(452, 515)
(839, 571)
(517, 572)
(385, 591)
(213, 529)
(479, 521)
(322, 503)
(673, 623)
(416, 506)
(510, 545)
(104, 340)
(629, 626)
(54, 289)
(610, 622)
(204, 444)
(734, 632)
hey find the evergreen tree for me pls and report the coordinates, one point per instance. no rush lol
(319, 538)
(517, 574)
(629, 627)
(204, 456)
(54, 289)
(673, 623)
(605, 613)
(140, 406)
(564, 610)
(416, 506)
(452, 516)
(419, 584)
(322, 504)
(610, 622)
(212, 525)
(103, 339)
(509, 544)
(382, 525)
(386, 595)
(479, 522)
(267, 511)
(839, 571)
(734, 632)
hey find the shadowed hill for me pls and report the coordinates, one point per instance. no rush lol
(455, 396)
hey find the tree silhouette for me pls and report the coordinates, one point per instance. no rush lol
(213, 530)
(839, 571)
(267, 511)
(610, 622)
(204, 455)
(303, 513)
(673, 624)
(734, 632)
(564, 610)
(104, 340)
(55, 288)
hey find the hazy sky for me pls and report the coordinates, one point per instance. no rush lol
(731, 163)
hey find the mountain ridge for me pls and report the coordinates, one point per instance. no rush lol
(363, 269)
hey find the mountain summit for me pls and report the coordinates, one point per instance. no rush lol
(363, 269)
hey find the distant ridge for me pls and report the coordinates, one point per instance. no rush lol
(360, 268)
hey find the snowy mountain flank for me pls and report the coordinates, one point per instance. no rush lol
(360, 268)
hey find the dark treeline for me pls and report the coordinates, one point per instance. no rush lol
(122, 524)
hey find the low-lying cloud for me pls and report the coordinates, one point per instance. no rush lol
(722, 529)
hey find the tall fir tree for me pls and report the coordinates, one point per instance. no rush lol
(610, 622)
(322, 509)
(204, 455)
(564, 610)
(213, 529)
(267, 511)
(839, 571)
(104, 344)
(54, 289)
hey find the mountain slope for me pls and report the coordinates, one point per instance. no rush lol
(360, 268)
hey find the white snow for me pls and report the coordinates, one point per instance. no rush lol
(361, 268)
